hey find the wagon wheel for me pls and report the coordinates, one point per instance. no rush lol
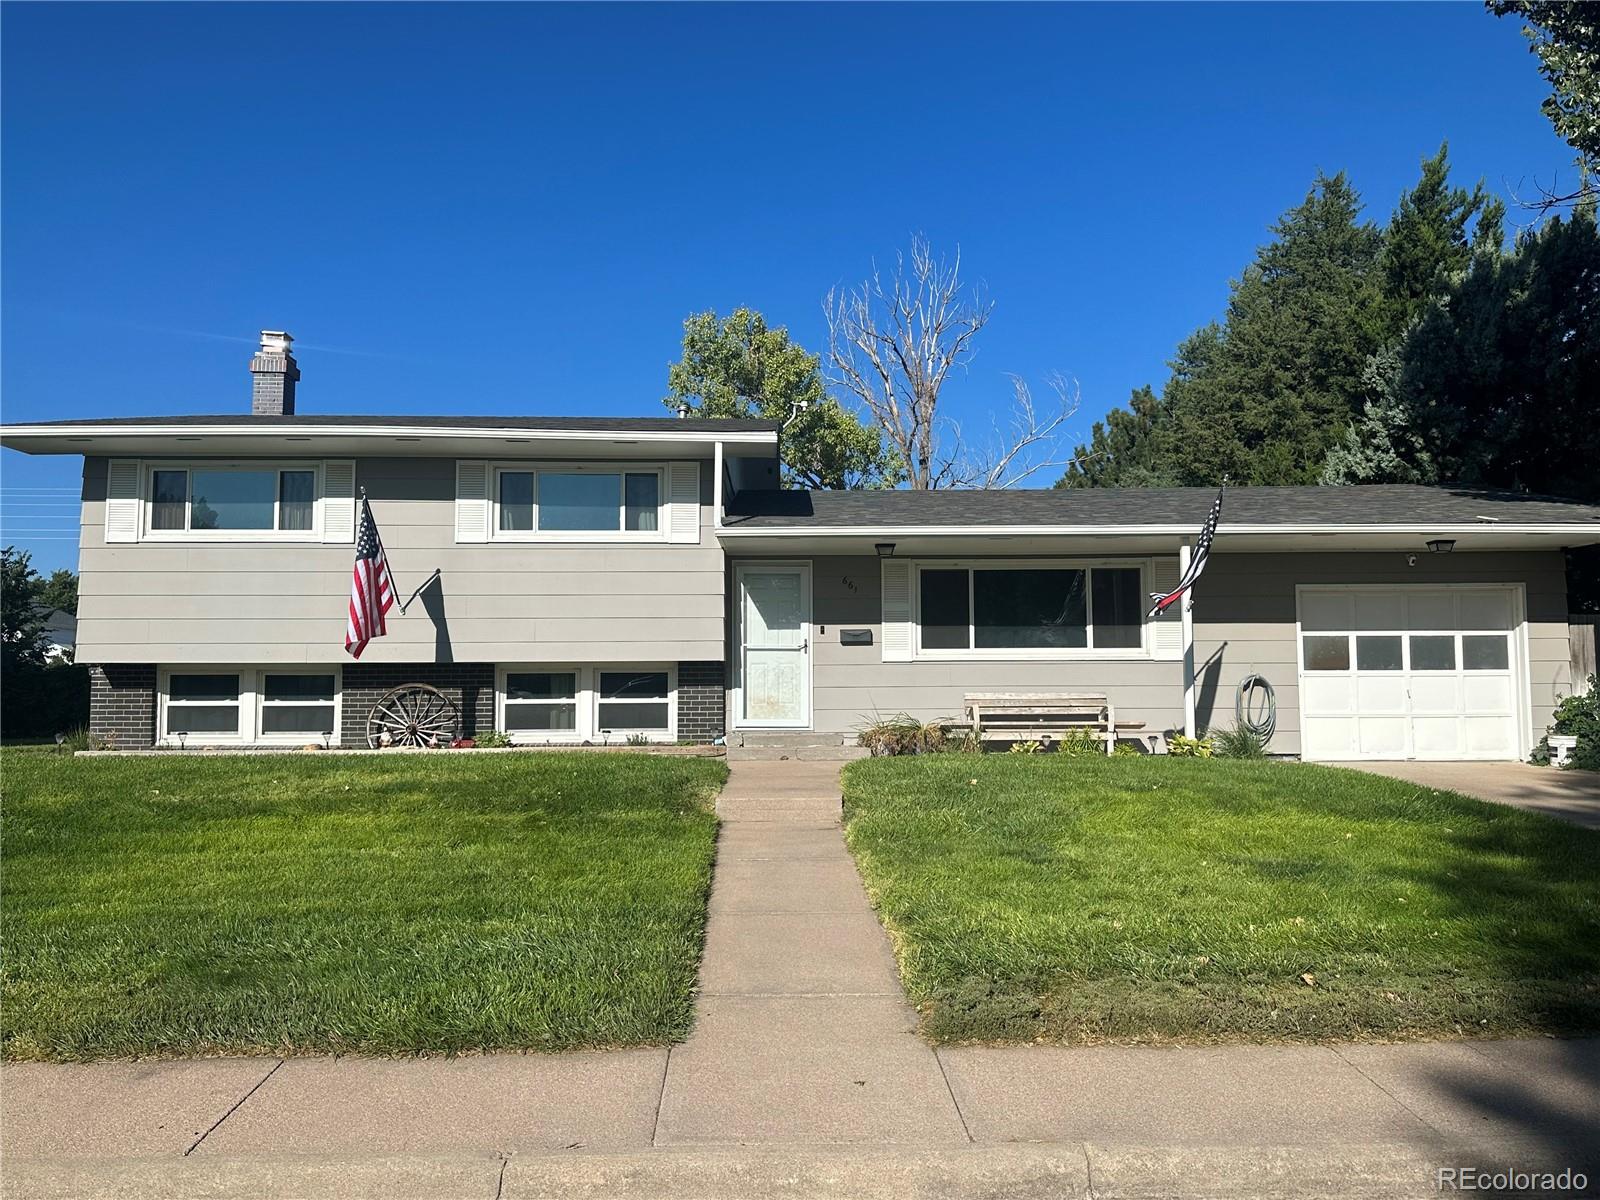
(413, 714)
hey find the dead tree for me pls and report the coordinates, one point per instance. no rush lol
(894, 341)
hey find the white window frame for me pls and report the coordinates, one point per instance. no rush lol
(975, 653)
(261, 702)
(621, 469)
(580, 691)
(149, 533)
(252, 696)
(669, 734)
(588, 702)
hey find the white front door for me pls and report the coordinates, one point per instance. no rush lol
(774, 652)
(1412, 672)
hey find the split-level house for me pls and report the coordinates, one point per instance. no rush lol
(607, 578)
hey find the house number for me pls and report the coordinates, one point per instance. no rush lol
(850, 584)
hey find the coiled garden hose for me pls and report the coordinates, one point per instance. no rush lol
(1255, 706)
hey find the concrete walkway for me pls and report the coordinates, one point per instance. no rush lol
(803, 1079)
(1557, 792)
(803, 1034)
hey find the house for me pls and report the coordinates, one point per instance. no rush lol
(603, 579)
(60, 635)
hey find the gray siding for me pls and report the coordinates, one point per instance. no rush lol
(256, 602)
(1244, 621)
(852, 684)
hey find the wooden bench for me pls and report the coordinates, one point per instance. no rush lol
(1028, 716)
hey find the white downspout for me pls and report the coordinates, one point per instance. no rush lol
(1186, 603)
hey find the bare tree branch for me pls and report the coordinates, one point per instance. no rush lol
(1024, 447)
(894, 341)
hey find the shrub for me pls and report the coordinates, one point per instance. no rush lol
(1081, 743)
(1576, 716)
(1025, 747)
(1238, 742)
(493, 739)
(1179, 746)
(904, 734)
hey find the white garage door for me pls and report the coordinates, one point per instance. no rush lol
(1410, 673)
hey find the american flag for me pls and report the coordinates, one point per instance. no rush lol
(371, 589)
(1197, 562)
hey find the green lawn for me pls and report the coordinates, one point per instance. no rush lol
(285, 904)
(1152, 899)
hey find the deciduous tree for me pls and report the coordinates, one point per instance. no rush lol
(738, 366)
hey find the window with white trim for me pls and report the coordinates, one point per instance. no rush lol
(1030, 609)
(295, 704)
(579, 502)
(605, 703)
(232, 501)
(207, 705)
(632, 702)
(540, 702)
(203, 704)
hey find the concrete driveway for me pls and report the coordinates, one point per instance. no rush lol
(1571, 795)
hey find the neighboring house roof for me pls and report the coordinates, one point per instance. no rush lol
(1397, 505)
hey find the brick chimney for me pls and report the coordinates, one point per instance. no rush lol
(274, 375)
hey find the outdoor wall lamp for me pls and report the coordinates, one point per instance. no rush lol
(884, 549)
(1441, 545)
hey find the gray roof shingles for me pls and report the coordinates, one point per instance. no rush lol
(554, 424)
(1377, 504)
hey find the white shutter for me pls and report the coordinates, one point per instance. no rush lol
(123, 499)
(1166, 630)
(339, 500)
(897, 641)
(683, 502)
(472, 500)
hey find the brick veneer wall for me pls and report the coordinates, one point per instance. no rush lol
(469, 685)
(702, 701)
(122, 704)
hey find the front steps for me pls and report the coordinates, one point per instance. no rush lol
(748, 746)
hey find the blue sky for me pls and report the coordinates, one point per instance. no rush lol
(510, 209)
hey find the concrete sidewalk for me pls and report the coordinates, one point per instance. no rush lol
(803, 1078)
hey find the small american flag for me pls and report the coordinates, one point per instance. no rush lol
(371, 589)
(1197, 561)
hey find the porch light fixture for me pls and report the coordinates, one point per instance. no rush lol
(884, 549)
(1441, 545)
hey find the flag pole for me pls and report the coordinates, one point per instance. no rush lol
(421, 587)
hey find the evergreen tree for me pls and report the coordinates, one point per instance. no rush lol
(1426, 242)
(1122, 450)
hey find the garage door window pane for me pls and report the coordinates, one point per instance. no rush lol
(1324, 653)
(1481, 653)
(1378, 653)
(1433, 653)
